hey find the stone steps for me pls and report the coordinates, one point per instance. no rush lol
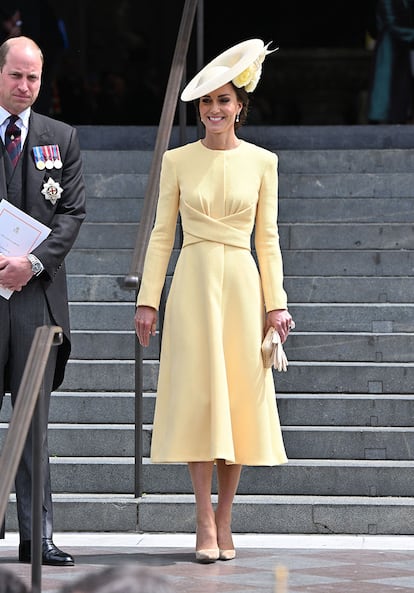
(345, 208)
(357, 346)
(322, 346)
(349, 289)
(87, 512)
(346, 404)
(330, 235)
(288, 514)
(313, 477)
(329, 317)
(322, 377)
(301, 442)
(252, 514)
(295, 409)
(98, 287)
(316, 289)
(296, 261)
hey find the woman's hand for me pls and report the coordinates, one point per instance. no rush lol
(145, 323)
(281, 320)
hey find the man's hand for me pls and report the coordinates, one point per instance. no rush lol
(15, 272)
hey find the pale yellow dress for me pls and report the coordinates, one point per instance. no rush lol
(215, 400)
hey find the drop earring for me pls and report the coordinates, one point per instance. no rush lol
(237, 118)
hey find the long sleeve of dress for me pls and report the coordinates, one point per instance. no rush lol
(267, 240)
(162, 238)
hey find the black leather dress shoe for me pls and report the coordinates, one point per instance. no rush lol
(51, 555)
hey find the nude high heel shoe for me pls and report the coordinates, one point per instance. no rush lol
(227, 554)
(207, 556)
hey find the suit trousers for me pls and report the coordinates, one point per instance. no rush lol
(19, 317)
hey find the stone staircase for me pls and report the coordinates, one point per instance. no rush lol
(346, 221)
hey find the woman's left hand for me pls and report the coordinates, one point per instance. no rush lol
(281, 320)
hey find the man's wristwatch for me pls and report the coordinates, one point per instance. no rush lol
(37, 266)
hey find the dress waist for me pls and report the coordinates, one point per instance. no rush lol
(190, 239)
(198, 227)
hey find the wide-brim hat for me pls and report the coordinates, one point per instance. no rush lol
(240, 64)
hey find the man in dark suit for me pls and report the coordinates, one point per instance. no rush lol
(47, 183)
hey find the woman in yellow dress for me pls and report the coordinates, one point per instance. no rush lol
(216, 403)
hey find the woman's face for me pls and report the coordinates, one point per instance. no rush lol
(219, 108)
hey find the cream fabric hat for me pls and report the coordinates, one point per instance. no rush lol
(241, 64)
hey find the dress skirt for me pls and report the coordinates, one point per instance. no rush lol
(215, 399)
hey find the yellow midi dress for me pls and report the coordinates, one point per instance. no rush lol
(215, 400)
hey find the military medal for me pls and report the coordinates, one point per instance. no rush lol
(48, 154)
(47, 157)
(52, 190)
(39, 158)
(57, 161)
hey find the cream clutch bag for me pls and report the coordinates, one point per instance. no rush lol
(272, 351)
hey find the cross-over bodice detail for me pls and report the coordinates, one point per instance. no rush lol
(234, 229)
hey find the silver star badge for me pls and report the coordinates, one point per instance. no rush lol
(52, 190)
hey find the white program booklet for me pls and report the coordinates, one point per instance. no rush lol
(19, 234)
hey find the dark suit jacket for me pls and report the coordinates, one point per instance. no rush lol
(64, 217)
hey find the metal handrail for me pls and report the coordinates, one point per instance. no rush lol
(25, 411)
(133, 279)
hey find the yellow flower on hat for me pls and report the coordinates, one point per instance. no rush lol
(244, 78)
(251, 75)
(253, 83)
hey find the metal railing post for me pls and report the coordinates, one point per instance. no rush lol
(27, 400)
(37, 496)
(133, 279)
(138, 416)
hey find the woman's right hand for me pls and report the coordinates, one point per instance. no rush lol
(145, 323)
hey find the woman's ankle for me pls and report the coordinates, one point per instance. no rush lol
(224, 534)
(206, 534)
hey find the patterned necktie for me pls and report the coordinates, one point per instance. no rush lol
(12, 139)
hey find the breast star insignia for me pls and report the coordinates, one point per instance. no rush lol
(52, 190)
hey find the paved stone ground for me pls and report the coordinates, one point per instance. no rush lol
(278, 564)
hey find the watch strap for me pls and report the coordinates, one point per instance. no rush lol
(37, 266)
